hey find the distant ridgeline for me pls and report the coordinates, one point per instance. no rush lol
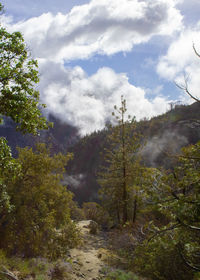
(61, 136)
(164, 136)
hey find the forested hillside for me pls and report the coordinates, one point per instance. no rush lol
(163, 135)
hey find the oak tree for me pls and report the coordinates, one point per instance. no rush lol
(39, 224)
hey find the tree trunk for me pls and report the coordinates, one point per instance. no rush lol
(118, 215)
(125, 214)
(135, 209)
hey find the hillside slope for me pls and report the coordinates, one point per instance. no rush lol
(165, 134)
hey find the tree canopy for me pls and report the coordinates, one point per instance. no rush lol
(18, 78)
(171, 249)
(39, 222)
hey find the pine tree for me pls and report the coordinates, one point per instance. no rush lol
(117, 177)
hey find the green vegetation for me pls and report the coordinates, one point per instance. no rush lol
(39, 223)
(34, 205)
(162, 135)
(18, 77)
(121, 275)
(94, 211)
(33, 268)
(119, 178)
(163, 243)
(155, 211)
(8, 172)
(171, 250)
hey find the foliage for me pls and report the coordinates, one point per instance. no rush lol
(76, 213)
(89, 151)
(34, 268)
(160, 260)
(18, 76)
(20, 101)
(172, 250)
(40, 223)
(61, 271)
(119, 177)
(94, 211)
(9, 169)
(121, 275)
(93, 227)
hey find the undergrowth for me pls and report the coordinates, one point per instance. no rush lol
(34, 268)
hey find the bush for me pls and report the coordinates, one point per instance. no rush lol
(35, 269)
(40, 223)
(121, 275)
(76, 213)
(160, 259)
(93, 211)
(61, 271)
(93, 227)
(26, 268)
(122, 240)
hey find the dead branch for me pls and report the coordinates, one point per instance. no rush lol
(8, 274)
(188, 226)
(190, 265)
(195, 50)
(164, 230)
(141, 230)
(185, 88)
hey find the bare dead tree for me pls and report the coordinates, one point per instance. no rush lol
(184, 86)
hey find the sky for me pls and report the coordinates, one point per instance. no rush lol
(90, 53)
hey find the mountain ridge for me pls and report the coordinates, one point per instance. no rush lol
(170, 131)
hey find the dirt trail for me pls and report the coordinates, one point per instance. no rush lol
(87, 261)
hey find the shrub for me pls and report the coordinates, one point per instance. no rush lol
(76, 213)
(40, 223)
(93, 227)
(160, 259)
(61, 271)
(121, 275)
(94, 211)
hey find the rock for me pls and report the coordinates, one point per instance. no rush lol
(99, 255)
(94, 227)
(80, 275)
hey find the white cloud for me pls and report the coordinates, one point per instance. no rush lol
(87, 101)
(104, 27)
(99, 27)
(181, 60)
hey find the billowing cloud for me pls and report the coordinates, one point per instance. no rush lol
(181, 62)
(87, 101)
(103, 27)
(100, 27)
